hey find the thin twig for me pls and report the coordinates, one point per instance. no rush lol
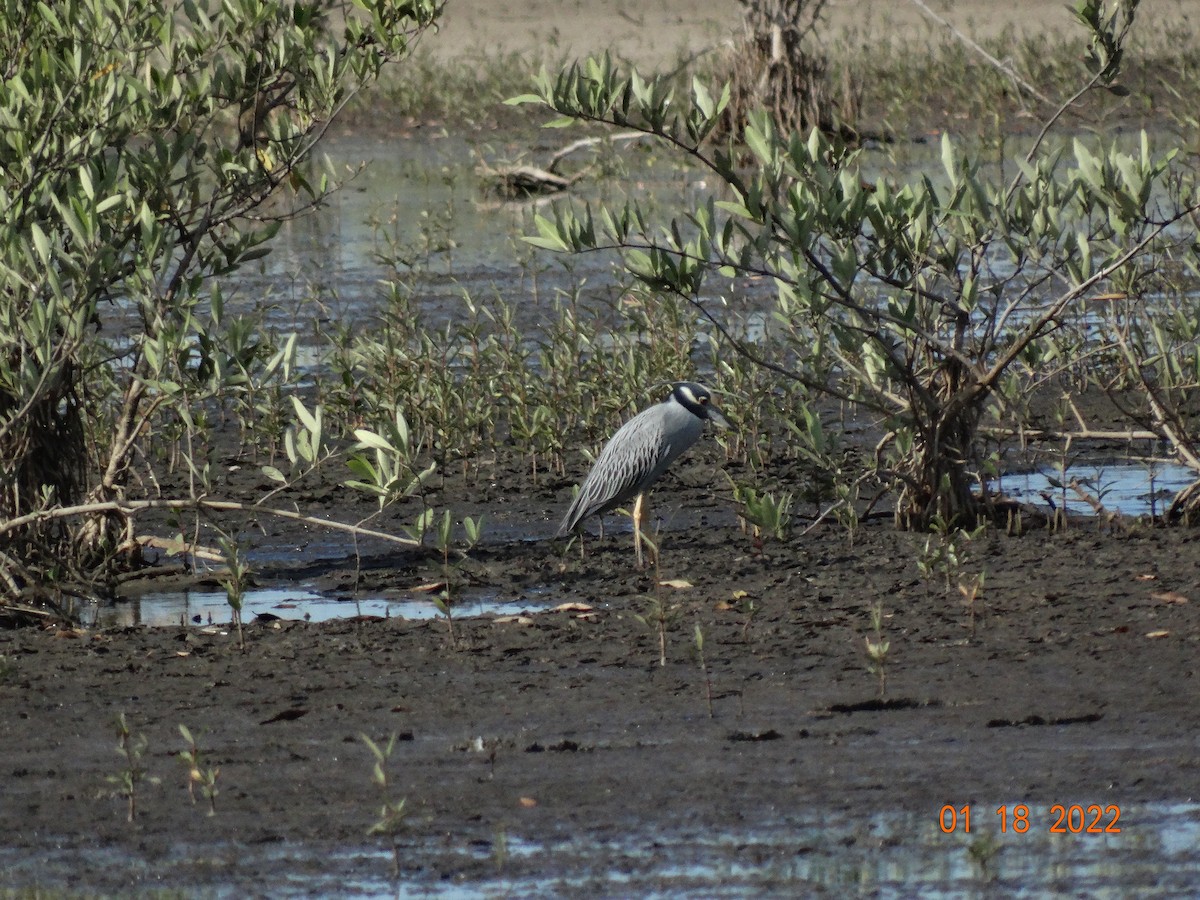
(584, 143)
(837, 504)
(1083, 434)
(128, 507)
(1004, 67)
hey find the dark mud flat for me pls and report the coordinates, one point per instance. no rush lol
(1078, 685)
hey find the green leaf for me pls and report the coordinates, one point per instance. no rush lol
(374, 441)
(472, 528)
(550, 235)
(950, 159)
(702, 98)
(547, 243)
(757, 142)
(735, 209)
(524, 98)
(40, 242)
(307, 419)
(109, 202)
(373, 489)
(361, 466)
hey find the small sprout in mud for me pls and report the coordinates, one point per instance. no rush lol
(442, 603)
(566, 549)
(490, 746)
(391, 812)
(197, 774)
(846, 509)
(763, 516)
(421, 524)
(970, 588)
(932, 559)
(131, 748)
(445, 535)
(749, 608)
(394, 473)
(983, 852)
(708, 695)
(1092, 491)
(1152, 470)
(7, 668)
(445, 545)
(235, 584)
(946, 550)
(877, 649)
(1064, 460)
(658, 616)
(303, 442)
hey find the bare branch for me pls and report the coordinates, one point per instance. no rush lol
(130, 507)
(1004, 67)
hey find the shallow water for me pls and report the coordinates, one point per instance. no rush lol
(417, 206)
(826, 852)
(208, 607)
(1130, 488)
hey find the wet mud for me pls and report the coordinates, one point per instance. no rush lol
(1072, 681)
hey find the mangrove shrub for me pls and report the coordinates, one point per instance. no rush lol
(933, 305)
(142, 146)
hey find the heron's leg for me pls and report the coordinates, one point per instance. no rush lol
(637, 530)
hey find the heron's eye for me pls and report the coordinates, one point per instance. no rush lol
(703, 399)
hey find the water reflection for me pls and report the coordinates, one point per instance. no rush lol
(1129, 488)
(820, 852)
(209, 607)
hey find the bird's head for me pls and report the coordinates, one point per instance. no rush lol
(697, 399)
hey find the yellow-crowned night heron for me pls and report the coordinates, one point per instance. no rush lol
(640, 451)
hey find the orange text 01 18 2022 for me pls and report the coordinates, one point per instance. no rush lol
(1057, 819)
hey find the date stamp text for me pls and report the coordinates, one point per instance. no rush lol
(1018, 818)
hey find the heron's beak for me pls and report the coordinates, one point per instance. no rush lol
(717, 417)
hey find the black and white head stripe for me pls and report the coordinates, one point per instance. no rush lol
(691, 395)
(697, 400)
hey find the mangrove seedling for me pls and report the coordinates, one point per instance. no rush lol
(235, 584)
(196, 773)
(748, 607)
(877, 649)
(444, 543)
(983, 851)
(391, 811)
(763, 515)
(131, 748)
(945, 550)
(658, 616)
(970, 588)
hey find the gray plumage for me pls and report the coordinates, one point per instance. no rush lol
(641, 450)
